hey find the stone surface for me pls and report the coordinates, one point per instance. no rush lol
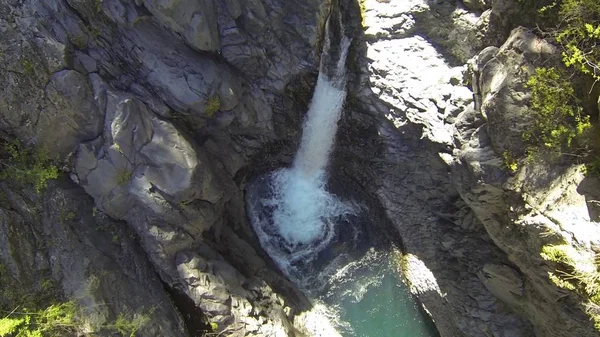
(61, 239)
(419, 97)
(536, 206)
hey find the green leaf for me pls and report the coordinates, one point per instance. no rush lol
(9, 326)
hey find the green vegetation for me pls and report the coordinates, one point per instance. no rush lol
(129, 327)
(576, 272)
(26, 166)
(26, 313)
(212, 105)
(510, 162)
(55, 320)
(28, 67)
(560, 126)
(99, 6)
(42, 313)
(65, 216)
(579, 35)
(123, 176)
(363, 8)
(557, 116)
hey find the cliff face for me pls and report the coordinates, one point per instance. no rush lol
(473, 229)
(160, 111)
(153, 107)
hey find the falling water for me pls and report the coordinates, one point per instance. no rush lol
(318, 240)
(319, 130)
(297, 218)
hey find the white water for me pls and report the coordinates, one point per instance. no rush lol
(302, 214)
(300, 225)
(304, 209)
(320, 127)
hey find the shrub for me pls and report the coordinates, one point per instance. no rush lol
(129, 327)
(510, 161)
(579, 35)
(27, 166)
(558, 118)
(363, 8)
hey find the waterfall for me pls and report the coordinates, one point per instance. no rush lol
(290, 209)
(325, 109)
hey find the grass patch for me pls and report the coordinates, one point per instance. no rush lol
(26, 313)
(28, 67)
(578, 273)
(57, 320)
(128, 327)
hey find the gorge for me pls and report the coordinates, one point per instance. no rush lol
(287, 168)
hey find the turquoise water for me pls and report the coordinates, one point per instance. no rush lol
(387, 309)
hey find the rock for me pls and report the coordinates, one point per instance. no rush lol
(172, 106)
(253, 32)
(501, 79)
(90, 258)
(225, 295)
(195, 20)
(503, 281)
(442, 22)
(477, 4)
(424, 107)
(517, 211)
(143, 168)
(38, 92)
(72, 100)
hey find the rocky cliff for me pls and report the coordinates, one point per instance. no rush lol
(159, 112)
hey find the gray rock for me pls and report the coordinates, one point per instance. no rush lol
(424, 107)
(196, 21)
(141, 170)
(503, 281)
(517, 211)
(477, 4)
(65, 245)
(501, 79)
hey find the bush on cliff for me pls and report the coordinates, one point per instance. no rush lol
(559, 119)
(26, 166)
(561, 126)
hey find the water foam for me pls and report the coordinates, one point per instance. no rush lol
(303, 212)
